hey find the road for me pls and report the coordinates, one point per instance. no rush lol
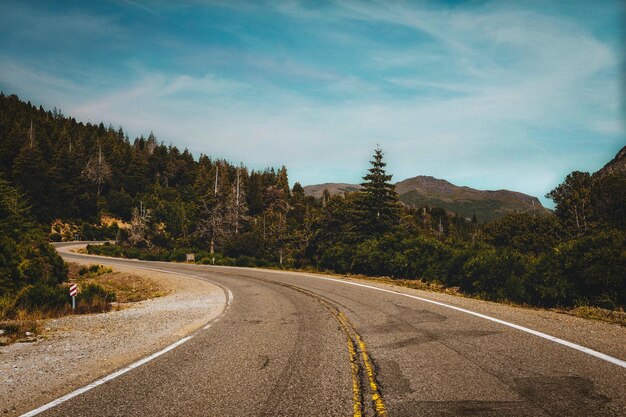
(298, 345)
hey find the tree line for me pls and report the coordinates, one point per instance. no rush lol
(168, 204)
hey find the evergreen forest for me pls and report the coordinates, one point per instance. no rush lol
(62, 180)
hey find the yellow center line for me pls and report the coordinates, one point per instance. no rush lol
(356, 385)
(379, 404)
(351, 335)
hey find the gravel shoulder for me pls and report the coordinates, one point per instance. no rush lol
(75, 350)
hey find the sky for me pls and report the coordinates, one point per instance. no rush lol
(487, 94)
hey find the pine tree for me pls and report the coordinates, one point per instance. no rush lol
(378, 206)
(30, 172)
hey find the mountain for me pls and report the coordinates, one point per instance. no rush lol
(333, 188)
(616, 166)
(428, 191)
(486, 205)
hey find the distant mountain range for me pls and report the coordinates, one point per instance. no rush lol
(423, 191)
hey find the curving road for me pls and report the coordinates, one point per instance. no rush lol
(299, 345)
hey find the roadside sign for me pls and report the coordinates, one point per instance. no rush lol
(73, 292)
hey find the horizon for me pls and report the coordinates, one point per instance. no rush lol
(489, 95)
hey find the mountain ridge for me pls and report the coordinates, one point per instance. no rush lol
(616, 165)
(424, 190)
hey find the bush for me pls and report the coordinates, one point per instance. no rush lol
(337, 257)
(247, 244)
(427, 259)
(370, 258)
(94, 270)
(498, 275)
(455, 274)
(244, 260)
(94, 298)
(524, 232)
(179, 254)
(42, 297)
(39, 262)
(589, 271)
(55, 237)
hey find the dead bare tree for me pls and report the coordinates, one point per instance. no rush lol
(139, 225)
(31, 135)
(236, 207)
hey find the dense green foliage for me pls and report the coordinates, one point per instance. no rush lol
(30, 269)
(169, 204)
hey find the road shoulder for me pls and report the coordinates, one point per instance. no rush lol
(608, 338)
(76, 350)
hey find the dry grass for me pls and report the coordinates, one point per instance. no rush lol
(416, 284)
(586, 312)
(596, 313)
(24, 328)
(128, 288)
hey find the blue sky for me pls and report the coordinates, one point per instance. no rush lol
(485, 94)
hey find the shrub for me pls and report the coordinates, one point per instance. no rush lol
(370, 258)
(94, 298)
(244, 260)
(524, 232)
(498, 275)
(427, 259)
(94, 270)
(42, 297)
(55, 237)
(248, 244)
(337, 257)
(590, 270)
(454, 269)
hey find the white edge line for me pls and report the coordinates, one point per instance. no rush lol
(105, 379)
(554, 339)
(551, 338)
(130, 367)
(228, 293)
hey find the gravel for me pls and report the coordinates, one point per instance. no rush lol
(75, 350)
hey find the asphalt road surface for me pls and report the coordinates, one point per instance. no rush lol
(296, 345)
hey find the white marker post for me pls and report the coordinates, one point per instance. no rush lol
(73, 292)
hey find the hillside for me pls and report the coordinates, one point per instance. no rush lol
(616, 166)
(333, 188)
(429, 191)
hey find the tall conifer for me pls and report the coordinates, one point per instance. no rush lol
(378, 201)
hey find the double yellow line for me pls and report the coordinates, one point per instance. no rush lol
(355, 345)
(352, 335)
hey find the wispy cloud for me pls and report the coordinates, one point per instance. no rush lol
(482, 94)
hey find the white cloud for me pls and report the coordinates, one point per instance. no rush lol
(514, 81)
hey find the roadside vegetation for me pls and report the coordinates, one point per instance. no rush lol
(120, 287)
(34, 280)
(523, 258)
(168, 204)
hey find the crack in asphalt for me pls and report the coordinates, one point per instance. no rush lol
(364, 374)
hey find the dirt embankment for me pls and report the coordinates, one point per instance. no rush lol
(72, 351)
